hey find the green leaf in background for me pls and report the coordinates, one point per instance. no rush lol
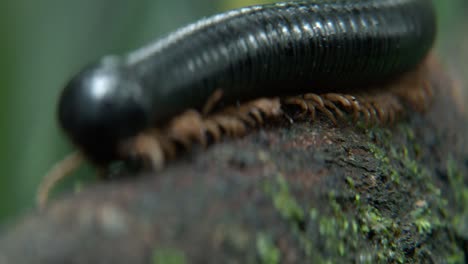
(231, 4)
(43, 44)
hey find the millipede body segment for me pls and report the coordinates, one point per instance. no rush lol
(276, 50)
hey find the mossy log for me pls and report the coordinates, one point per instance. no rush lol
(285, 193)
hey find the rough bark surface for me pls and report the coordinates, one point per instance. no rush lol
(286, 193)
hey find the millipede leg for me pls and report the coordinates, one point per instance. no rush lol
(312, 110)
(213, 129)
(248, 118)
(374, 117)
(329, 104)
(316, 102)
(243, 113)
(381, 112)
(212, 101)
(297, 101)
(149, 148)
(338, 98)
(58, 172)
(186, 128)
(355, 106)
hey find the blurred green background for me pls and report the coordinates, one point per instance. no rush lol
(45, 42)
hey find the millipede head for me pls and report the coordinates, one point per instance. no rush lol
(102, 106)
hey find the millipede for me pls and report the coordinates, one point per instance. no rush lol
(229, 72)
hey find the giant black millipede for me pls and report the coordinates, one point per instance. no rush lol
(324, 56)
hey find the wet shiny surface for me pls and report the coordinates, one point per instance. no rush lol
(269, 50)
(284, 48)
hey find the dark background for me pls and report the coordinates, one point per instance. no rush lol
(45, 42)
